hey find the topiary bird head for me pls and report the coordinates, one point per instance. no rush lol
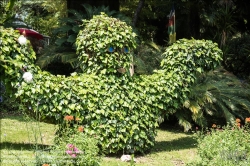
(105, 45)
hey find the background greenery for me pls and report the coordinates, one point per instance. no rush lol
(193, 97)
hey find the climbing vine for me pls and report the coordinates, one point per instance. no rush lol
(120, 111)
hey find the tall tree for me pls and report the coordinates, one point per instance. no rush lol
(137, 12)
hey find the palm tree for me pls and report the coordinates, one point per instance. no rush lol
(218, 94)
(218, 20)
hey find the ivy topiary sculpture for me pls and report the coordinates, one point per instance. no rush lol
(119, 110)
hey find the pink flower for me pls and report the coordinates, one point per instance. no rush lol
(73, 155)
(72, 150)
(71, 146)
(76, 150)
(69, 152)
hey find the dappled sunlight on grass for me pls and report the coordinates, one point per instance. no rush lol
(23, 131)
(171, 149)
(17, 157)
(19, 137)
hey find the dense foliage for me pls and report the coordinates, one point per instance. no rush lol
(74, 149)
(215, 97)
(121, 111)
(237, 56)
(104, 45)
(13, 56)
(224, 146)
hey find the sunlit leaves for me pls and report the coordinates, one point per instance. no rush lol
(94, 41)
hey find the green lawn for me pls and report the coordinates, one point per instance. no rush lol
(20, 136)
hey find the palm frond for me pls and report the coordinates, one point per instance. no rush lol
(184, 120)
(218, 94)
(65, 57)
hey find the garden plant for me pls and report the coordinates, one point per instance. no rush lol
(119, 110)
(227, 145)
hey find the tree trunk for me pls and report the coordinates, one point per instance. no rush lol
(137, 12)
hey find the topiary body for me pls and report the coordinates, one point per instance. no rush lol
(119, 110)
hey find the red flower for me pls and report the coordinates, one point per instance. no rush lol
(248, 120)
(69, 118)
(238, 120)
(45, 165)
(80, 128)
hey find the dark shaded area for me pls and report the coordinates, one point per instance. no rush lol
(23, 146)
(58, 68)
(77, 5)
(177, 144)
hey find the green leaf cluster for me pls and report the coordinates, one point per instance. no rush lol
(98, 35)
(227, 146)
(182, 63)
(13, 57)
(189, 57)
(121, 111)
(113, 108)
(87, 152)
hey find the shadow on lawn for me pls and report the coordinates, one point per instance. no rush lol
(22, 146)
(175, 145)
(13, 115)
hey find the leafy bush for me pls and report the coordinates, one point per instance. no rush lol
(237, 56)
(77, 149)
(215, 96)
(121, 111)
(108, 107)
(184, 61)
(227, 146)
(64, 50)
(189, 57)
(13, 57)
(105, 45)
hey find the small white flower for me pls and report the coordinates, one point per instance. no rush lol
(22, 40)
(127, 158)
(27, 76)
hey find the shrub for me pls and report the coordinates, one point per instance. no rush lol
(13, 57)
(76, 149)
(105, 45)
(227, 146)
(121, 111)
(215, 96)
(115, 110)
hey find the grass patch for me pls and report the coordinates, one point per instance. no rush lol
(20, 137)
